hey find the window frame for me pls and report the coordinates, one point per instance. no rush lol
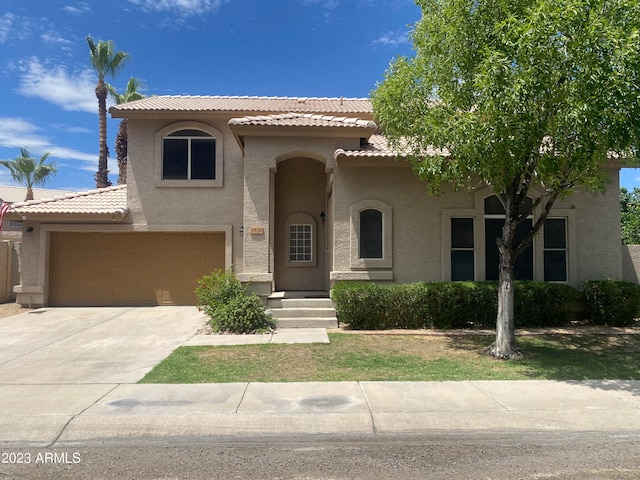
(472, 248)
(386, 261)
(565, 250)
(301, 256)
(476, 211)
(361, 234)
(211, 132)
(300, 218)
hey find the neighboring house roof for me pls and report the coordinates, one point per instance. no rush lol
(14, 193)
(245, 104)
(103, 201)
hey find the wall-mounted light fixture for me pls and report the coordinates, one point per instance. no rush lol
(323, 217)
(29, 231)
(242, 231)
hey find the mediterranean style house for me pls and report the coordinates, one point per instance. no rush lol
(290, 193)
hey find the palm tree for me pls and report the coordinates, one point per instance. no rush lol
(131, 93)
(29, 171)
(105, 61)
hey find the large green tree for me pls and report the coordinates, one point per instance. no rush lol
(131, 93)
(532, 97)
(630, 216)
(30, 172)
(106, 61)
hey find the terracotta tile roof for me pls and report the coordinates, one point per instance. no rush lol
(303, 120)
(110, 201)
(246, 104)
(14, 193)
(378, 147)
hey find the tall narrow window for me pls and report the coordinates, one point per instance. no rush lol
(370, 245)
(493, 223)
(300, 243)
(555, 250)
(462, 251)
(188, 155)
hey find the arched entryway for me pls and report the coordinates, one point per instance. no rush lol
(300, 240)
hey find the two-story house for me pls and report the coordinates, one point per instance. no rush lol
(290, 193)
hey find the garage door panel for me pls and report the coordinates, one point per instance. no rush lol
(149, 268)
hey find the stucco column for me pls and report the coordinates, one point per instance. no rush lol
(256, 226)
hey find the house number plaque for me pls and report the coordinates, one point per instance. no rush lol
(256, 230)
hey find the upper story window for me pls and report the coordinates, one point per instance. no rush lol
(189, 155)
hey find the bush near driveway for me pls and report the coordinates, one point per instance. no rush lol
(369, 306)
(230, 306)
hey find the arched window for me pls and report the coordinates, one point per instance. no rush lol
(370, 237)
(189, 155)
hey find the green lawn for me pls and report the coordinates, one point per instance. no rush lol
(352, 357)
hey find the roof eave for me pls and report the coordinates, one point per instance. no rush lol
(116, 216)
(240, 131)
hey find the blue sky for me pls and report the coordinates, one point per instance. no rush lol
(313, 48)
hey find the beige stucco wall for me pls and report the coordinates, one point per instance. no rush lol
(300, 188)
(246, 198)
(262, 156)
(153, 204)
(420, 227)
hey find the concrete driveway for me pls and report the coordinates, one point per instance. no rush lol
(91, 345)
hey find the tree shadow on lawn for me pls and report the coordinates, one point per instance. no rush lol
(606, 362)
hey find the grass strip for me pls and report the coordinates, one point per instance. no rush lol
(352, 357)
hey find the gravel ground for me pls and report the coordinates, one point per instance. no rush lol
(8, 309)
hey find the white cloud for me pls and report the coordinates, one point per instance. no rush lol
(17, 133)
(181, 7)
(54, 38)
(77, 9)
(71, 128)
(328, 5)
(14, 28)
(72, 91)
(391, 39)
(6, 21)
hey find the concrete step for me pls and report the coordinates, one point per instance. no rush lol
(299, 302)
(303, 312)
(307, 322)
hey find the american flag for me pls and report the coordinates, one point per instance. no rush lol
(3, 209)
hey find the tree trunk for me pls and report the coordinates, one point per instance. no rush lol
(29, 194)
(504, 347)
(122, 152)
(102, 175)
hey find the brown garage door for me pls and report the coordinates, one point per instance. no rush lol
(130, 268)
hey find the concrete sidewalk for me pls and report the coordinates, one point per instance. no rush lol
(43, 415)
(67, 377)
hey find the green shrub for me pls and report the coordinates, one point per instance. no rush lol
(541, 304)
(611, 302)
(242, 314)
(448, 305)
(230, 307)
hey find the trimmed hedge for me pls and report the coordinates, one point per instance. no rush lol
(445, 305)
(611, 302)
